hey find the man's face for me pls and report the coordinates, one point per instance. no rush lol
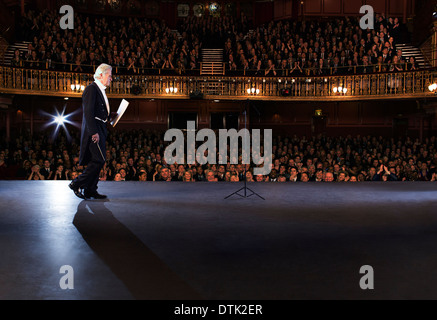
(329, 177)
(165, 173)
(210, 176)
(106, 78)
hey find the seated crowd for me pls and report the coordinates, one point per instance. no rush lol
(137, 155)
(336, 46)
(278, 48)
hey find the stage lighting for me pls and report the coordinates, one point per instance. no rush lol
(285, 92)
(136, 89)
(60, 120)
(196, 95)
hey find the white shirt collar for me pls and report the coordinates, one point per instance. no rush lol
(101, 86)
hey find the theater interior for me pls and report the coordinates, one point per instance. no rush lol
(348, 89)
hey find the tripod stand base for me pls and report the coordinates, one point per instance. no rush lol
(245, 193)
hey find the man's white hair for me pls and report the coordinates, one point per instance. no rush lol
(102, 69)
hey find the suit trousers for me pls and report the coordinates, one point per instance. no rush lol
(90, 177)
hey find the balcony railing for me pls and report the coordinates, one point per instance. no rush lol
(360, 86)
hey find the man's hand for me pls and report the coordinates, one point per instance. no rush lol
(381, 169)
(95, 138)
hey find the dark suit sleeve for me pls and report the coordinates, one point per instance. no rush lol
(89, 105)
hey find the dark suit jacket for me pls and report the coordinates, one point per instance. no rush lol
(46, 174)
(93, 105)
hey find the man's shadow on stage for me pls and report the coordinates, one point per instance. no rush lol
(144, 274)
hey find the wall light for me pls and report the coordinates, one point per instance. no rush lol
(77, 87)
(339, 90)
(171, 90)
(253, 91)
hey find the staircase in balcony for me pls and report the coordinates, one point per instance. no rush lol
(9, 53)
(408, 50)
(212, 62)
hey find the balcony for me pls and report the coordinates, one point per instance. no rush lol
(400, 85)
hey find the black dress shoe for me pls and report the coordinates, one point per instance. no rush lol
(94, 195)
(76, 190)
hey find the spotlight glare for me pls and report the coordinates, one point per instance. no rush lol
(60, 120)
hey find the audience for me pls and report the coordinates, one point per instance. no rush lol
(277, 48)
(137, 155)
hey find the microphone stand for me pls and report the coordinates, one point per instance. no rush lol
(245, 188)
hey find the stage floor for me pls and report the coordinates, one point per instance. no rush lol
(158, 240)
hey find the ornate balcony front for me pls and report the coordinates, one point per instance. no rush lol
(399, 85)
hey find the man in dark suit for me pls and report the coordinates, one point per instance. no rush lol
(96, 113)
(47, 171)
